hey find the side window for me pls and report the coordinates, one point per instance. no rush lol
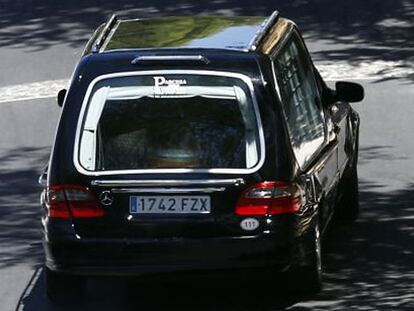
(300, 100)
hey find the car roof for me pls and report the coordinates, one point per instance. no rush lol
(238, 33)
(184, 32)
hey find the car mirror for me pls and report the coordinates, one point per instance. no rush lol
(61, 97)
(43, 177)
(349, 92)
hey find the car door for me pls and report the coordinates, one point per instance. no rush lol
(339, 123)
(313, 140)
(338, 113)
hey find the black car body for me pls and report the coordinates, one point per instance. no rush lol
(197, 143)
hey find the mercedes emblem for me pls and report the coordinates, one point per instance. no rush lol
(106, 198)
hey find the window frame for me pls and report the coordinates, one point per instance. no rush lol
(294, 35)
(245, 79)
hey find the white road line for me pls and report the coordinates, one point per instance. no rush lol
(30, 91)
(29, 288)
(368, 70)
(331, 71)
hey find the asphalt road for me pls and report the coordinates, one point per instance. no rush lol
(369, 265)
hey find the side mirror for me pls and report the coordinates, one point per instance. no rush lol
(349, 92)
(43, 177)
(61, 97)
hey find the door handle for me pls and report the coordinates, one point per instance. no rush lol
(333, 134)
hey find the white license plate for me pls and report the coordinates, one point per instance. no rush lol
(169, 204)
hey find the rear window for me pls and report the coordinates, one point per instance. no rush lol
(169, 121)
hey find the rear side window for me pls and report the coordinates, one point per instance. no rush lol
(300, 101)
(169, 121)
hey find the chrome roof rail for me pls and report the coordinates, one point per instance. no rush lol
(264, 28)
(104, 34)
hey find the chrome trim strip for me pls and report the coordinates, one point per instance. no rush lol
(233, 171)
(167, 182)
(168, 190)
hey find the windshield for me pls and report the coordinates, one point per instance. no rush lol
(169, 121)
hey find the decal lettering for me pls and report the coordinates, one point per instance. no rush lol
(163, 86)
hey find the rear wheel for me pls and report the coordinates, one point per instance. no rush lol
(308, 278)
(347, 209)
(62, 288)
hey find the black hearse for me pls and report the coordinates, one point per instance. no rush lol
(190, 143)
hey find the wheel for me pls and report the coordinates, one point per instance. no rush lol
(308, 278)
(311, 274)
(62, 288)
(347, 208)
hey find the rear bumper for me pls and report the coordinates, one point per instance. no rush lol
(135, 257)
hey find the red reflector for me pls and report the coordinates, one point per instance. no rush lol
(58, 210)
(66, 201)
(270, 198)
(85, 210)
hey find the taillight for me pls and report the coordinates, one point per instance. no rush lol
(66, 201)
(270, 198)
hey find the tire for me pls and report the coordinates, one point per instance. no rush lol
(347, 209)
(62, 288)
(307, 279)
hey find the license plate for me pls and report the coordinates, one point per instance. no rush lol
(169, 205)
